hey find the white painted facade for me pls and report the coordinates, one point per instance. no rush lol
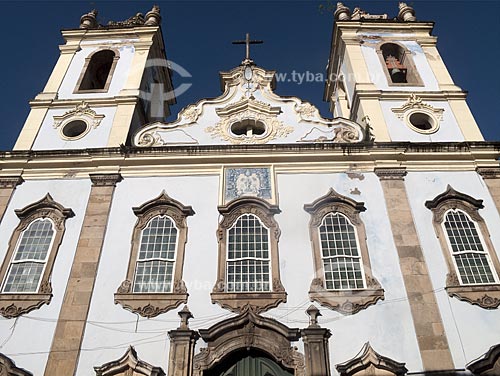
(197, 180)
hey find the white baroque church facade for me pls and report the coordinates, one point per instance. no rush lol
(251, 236)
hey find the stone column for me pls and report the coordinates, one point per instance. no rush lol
(182, 343)
(315, 338)
(427, 321)
(66, 344)
(7, 186)
(491, 177)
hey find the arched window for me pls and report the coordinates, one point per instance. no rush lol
(155, 264)
(473, 266)
(97, 72)
(30, 257)
(154, 284)
(248, 272)
(342, 274)
(340, 253)
(469, 255)
(248, 258)
(27, 267)
(398, 65)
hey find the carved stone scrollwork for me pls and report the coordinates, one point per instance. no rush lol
(8, 368)
(153, 304)
(369, 362)
(486, 296)
(249, 331)
(487, 364)
(15, 304)
(347, 302)
(258, 301)
(128, 364)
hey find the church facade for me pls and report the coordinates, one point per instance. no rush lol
(251, 236)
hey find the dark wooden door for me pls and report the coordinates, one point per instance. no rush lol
(255, 366)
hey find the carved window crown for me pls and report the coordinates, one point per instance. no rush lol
(154, 282)
(342, 278)
(27, 267)
(248, 269)
(473, 265)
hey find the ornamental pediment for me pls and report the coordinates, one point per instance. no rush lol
(249, 112)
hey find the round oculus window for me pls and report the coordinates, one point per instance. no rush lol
(422, 122)
(74, 129)
(248, 127)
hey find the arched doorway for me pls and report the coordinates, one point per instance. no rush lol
(248, 363)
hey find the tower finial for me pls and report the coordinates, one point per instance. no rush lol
(153, 17)
(342, 13)
(89, 20)
(406, 13)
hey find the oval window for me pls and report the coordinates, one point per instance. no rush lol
(248, 127)
(74, 129)
(422, 121)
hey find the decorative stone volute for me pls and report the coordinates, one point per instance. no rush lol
(89, 20)
(406, 13)
(153, 17)
(342, 13)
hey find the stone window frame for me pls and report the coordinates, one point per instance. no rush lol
(15, 304)
(486, 296)
(258, 301)
(105, 89)
(416, 80)
(152, 304)
(347, 302)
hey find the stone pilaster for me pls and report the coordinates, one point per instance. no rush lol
(315, 340)
(182, 343)
(7, 186)
(491, 176)
(65, 351)
(427, 321)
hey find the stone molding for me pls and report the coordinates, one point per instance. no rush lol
(128, 364)
(240, 301)
(107, 84)
(8, 367)
(347, 302)
(10, 181)
(489, 172)
(316, 349)
(488, 364)
(384, 173)
(369, 362)
(83, 112)
(105, 180)
(486, 296)
(15, 304)
(153, 304)
(246, 331)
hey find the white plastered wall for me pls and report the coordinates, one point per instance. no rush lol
(28, 339)
(470, 330)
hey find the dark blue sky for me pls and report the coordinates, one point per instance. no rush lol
(198, 36)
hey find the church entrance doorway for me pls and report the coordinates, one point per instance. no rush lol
(249, 364)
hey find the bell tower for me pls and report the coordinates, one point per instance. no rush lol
(104, 85)
(387, 73)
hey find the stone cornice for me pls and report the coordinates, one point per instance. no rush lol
(133, 161)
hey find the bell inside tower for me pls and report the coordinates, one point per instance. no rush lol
(394, 60)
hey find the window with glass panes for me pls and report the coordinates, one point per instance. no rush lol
(155, 262)
(30, 257)
(340, 253)
(248, 259)
(470, 257)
